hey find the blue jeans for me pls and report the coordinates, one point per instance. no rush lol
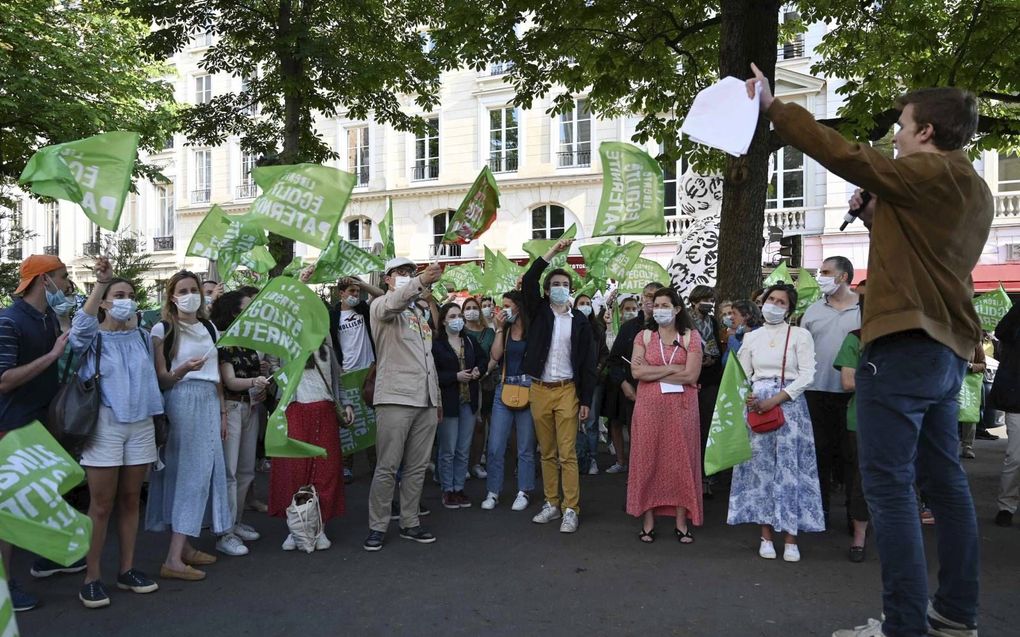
(907, 387)
(503, 418)
(588, 437)
(454, 445)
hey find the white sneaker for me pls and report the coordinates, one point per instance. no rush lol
(612, 449)
(521, 502)
(289, 544)
(617, 468)
(480, 472)
(547, 514)
(322, 542)
(593, 468)
(791, 553)
(246, 532)
(767, 550)
(230, 544)
(569, 523)
(489, 503)
(872, 629)
(944, 627)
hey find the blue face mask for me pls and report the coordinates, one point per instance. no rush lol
(727, 321)
(559, 295)
(741, 330)
(56, 300)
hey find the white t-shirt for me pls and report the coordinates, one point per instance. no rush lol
(558, 365)
(193, 342)
(354, 341)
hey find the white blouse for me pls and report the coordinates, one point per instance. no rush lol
(193, 342)
(761, 356)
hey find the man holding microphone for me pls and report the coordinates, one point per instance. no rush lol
(929, 214)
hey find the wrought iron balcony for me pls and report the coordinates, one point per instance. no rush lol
(575, 159)
(162, 244)
(500, 68)
(14, 254)
(51, 250)
(444, 251)
(503, 163)
(362, 176)
(201, 196)
(247, 191)
(90, 249)
(791, 50)
(422, 171)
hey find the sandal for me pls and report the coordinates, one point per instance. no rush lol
(646, 536)
(684, 537)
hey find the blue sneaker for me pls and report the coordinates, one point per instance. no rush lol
(20, 600)
(43, 567)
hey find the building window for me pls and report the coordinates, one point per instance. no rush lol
(1009, 172)
(203, 177)
(503, 140)
(548, 222)
(167, 214)
(786, 190)
(426, 152)
(203, 89)
(202, 39)
(575, 136)
(671, 181)
(357, 153)
(359, 232)
(246, 188)
(251, 108)
(52, 229)
(794, 48)
(16, 233)
(440, 222)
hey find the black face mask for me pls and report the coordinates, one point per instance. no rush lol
(706, 308)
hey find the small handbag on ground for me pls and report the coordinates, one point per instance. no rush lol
(772, 419)
(304, 518)
(74, 412)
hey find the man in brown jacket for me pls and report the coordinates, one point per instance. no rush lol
(929, 215)
(406, 401)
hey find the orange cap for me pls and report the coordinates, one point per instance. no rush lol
(35, 265)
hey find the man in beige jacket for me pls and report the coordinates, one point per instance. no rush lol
(407, 402)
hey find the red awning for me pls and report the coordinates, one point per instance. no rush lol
(986, 277)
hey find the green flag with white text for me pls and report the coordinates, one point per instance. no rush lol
(477, 212)
(242, 238)
(608, 260)
(94, 172)
(781, 273)
(729, 442)
(343, 258)
(632, 192)
(500, 274)
(807, 291)
(278, 443)
(35, 472)
(386, 232)
(991, 307)
(210, 234)
(361, 434)
(467, 278)
(303, 202)
(643, 272)
(539, 247)
(258, 260)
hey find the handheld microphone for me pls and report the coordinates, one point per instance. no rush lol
(851, 215)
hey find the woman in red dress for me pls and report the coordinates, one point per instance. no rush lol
(665, 452)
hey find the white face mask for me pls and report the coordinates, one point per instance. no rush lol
(471, 315)
(509, 315)
(773, 313)
(630, 315)
(123, 309)
(400, 281)
(827, 284)
(663, 316)
(208, 301)
(189, 303)
(487, 312)
(584, 309)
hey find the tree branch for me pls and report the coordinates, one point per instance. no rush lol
(691, 30)
(962, 51)
(1002, 97)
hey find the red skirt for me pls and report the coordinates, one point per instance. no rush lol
(314, 423)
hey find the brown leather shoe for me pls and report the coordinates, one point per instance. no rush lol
(198, 558)
(188, 574)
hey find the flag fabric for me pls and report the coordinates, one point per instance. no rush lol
(94, 172)
(642, 273)
(35, 472)
(477, 212)
(608, 260)
(287, 320)
(970, 397)
(807, 291)
(729, 442)
(500, 274)
(303, 202)
(361, 434)
(231, 241)
(386, 232)
(210, 234)
(342, 258)
(467, 278)
(991, 307)
(780, 274)
(539, 247)
(632, 192)
(8, 625)
(258, 260)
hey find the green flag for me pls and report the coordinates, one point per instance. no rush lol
(608, 260)
(477, 212)
(500, 274)
(210, 234)
(258, 260)
(807, 291)
(287, 320)
(94, 172)
(343, 258)
(361, 434)
(632, 192)
(780, 274)
(970, 398)
(729, 443)
(34, 472)
(539, 247)
(242, 238)
(303, 202)
(467, 277)
(991, 307)
(642, 273)
(386, 232)
(8, 625)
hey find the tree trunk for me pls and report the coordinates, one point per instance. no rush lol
(291, 71)
(749, 33)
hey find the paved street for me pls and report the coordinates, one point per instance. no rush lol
(496, 573)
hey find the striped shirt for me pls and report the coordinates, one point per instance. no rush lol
(26, 334)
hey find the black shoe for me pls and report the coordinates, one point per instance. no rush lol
(1004, 518)
(395, 511)
(43, 567)
(422, 510)
(982, 434)
(136, 582)
(857, 554)
(93, 595)
(374, 541)
(418, 534)
(20, 600)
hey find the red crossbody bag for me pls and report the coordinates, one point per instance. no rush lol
(772, 419)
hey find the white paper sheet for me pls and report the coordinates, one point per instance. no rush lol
(723, 117)
(670, 388)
